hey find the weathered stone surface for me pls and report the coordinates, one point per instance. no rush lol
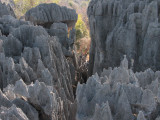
(27, 109)
(12, 47)
(27, 34)
(4, 101)
(57, 21)
(12, 113)
(158, 118)
(40, 97)
(36, 101)
(121, 27)
(8, 23)
(47, 14)
(6, 10)
(127, 96)
(148, 100)
(28, 53)
(21, 89)
(141, 116)
(102, 113)
(61, 31)
(9, 92)
(123, 108)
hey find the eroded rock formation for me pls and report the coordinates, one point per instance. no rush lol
(57, 21)
(37, 64)
(47, 14)
(35, 76)
(121, 27)
(120, 94)
(6, 9)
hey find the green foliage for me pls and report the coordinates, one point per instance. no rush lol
(22, 6)
(81, 29)
(70, 3)
(81, 32)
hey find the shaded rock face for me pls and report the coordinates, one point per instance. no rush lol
(121, 27)
(35, 76)
(119, 94)
(57, 21)
(47, 14)
(8, 24)
(6, 9)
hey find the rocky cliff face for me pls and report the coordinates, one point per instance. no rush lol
(35, 76)
(121, 27)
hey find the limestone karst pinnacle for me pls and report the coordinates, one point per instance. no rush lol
(127, 99)
(38, 63)
(124, 27)
(35, 76)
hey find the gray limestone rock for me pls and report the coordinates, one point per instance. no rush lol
(12, 47)
(103, 112)
(45, 76)
(57, 21)
(141, 116)
(145, 78)
(158, 95)
(119, 27)
(148, 100)
(27, 34)
(4, 101)
(9, 92)
(42, 99)
(6, 10)
(27, 109)
(1, 45)
(61, 31)
(21, 89)
(12, 113)
(128, 97)
(47, 14)
(158, 118)
(123, 108)
(8, 23)
(28, 54)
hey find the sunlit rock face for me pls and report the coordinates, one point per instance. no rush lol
(119, 94)
(58, 21)
(121, 27)
(33, 102)
(30, 54)
(35, 75)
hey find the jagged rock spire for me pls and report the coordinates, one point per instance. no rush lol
(124, 62)
(141, 116)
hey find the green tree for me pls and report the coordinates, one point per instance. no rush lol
(81, 29)
(22, 6)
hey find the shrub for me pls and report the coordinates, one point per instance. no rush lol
(81, 29)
